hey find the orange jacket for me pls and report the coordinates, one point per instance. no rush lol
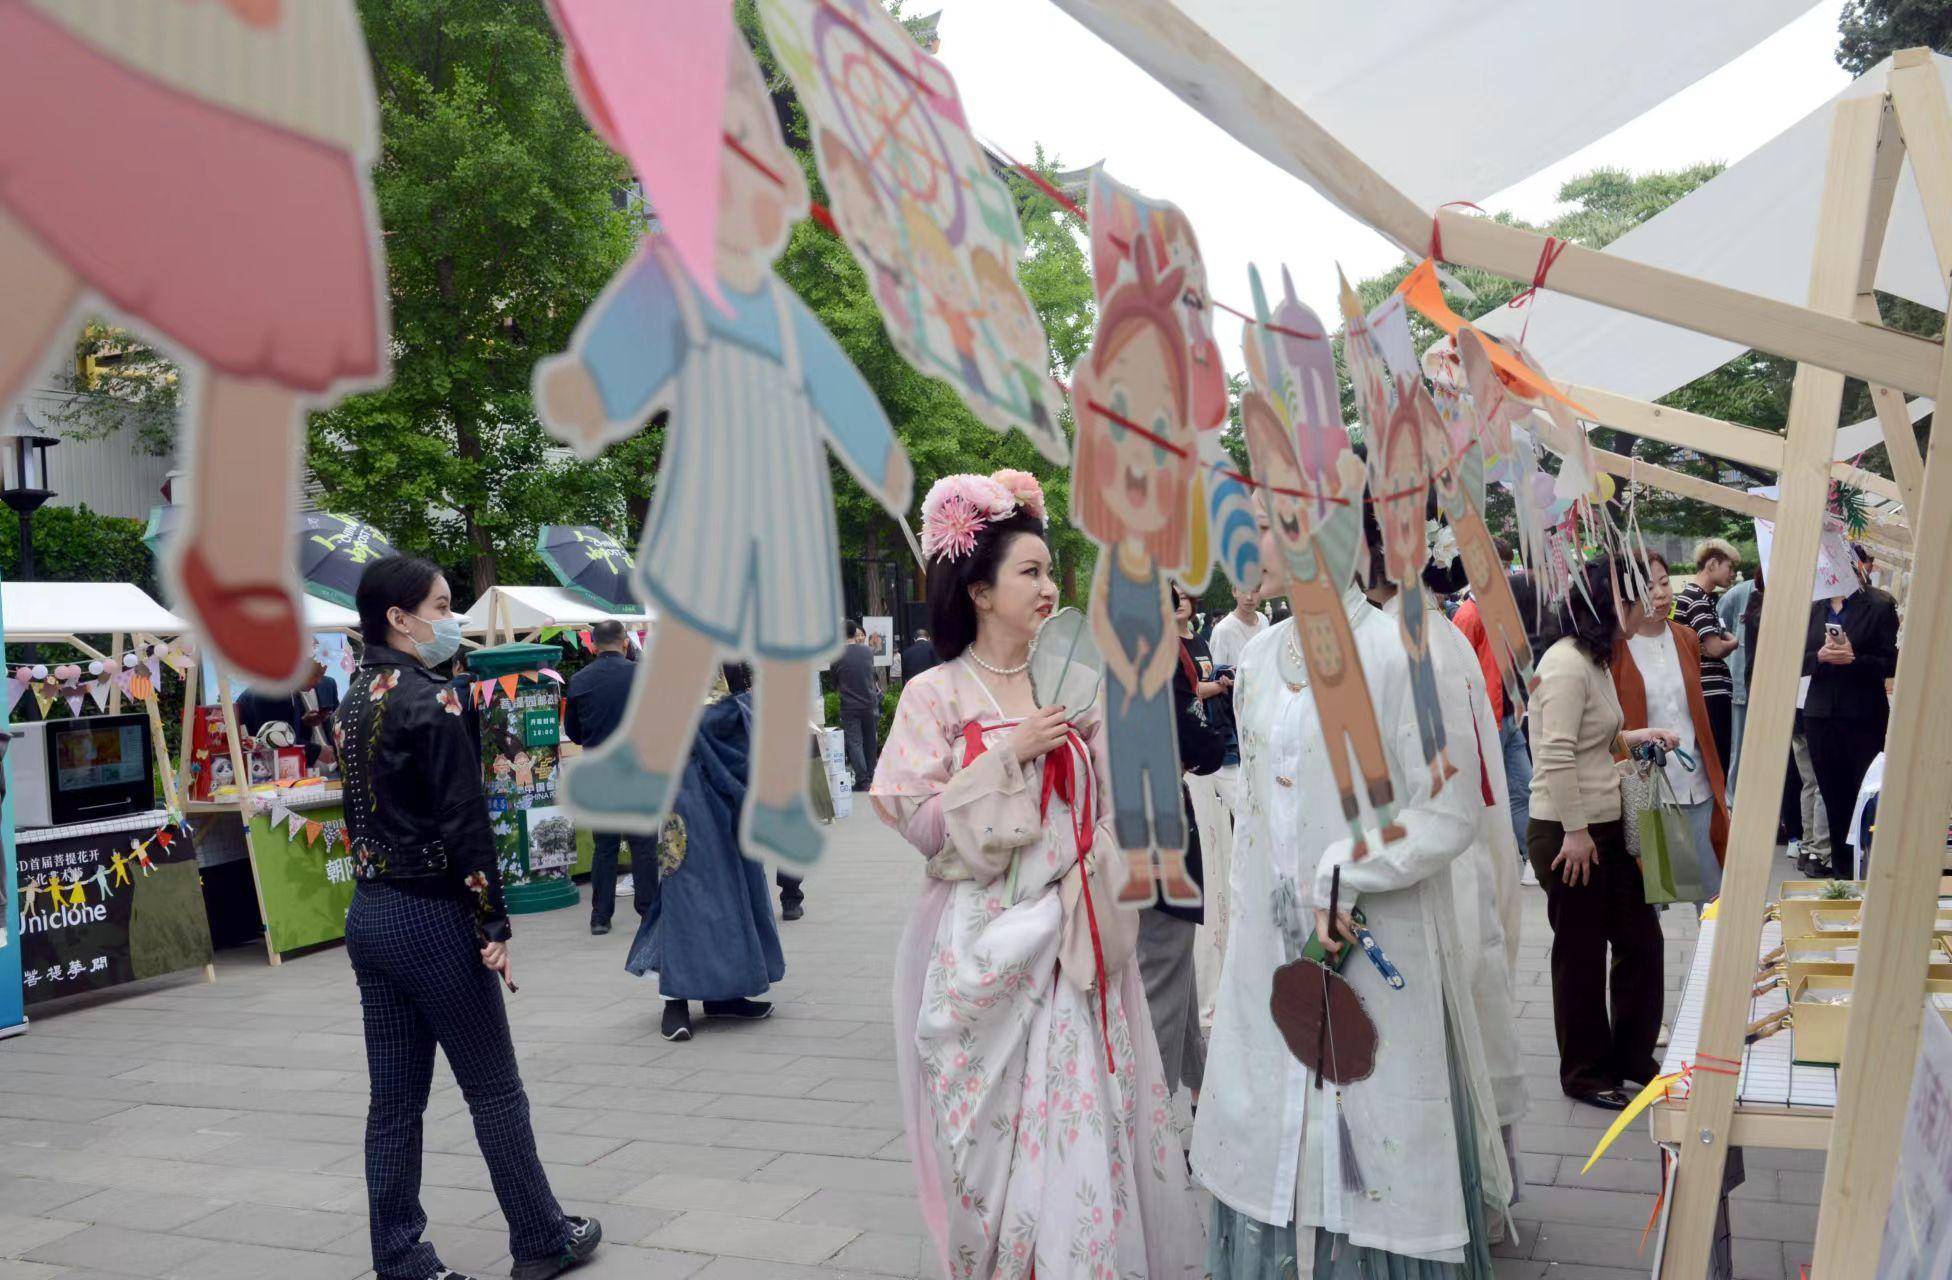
(1633, 701)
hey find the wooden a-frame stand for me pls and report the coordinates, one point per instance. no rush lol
(1834, 336)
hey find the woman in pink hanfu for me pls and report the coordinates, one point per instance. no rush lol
(237, 227)
(1035, 1105)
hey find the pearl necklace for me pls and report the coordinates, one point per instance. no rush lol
(1019, 669)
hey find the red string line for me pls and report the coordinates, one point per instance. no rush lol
(1436, 253)
(1548, 254)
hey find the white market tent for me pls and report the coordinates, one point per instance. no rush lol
(506, 613)
(56, 612)
(329, 615)
(1229, 60)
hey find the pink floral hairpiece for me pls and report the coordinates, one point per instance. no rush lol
(959, 507)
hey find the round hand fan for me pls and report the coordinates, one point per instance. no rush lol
(1321, 1017)
(1066, 668)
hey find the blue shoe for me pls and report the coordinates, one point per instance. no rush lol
(788, 832)
(610, 791)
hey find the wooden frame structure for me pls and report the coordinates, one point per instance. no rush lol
(1834, 335)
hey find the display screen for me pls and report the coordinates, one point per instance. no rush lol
(86, 758)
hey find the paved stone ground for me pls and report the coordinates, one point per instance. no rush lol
(211, 1132)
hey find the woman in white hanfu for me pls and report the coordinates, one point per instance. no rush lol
(1036, 1110)
(1429, 1167)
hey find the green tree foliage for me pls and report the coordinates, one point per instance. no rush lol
(502, 222)
(117, 380)
(74, 544)
(1872, 30)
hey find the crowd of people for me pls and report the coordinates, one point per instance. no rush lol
(1048, 1040)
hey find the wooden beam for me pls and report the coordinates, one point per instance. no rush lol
(1815, 402)
(1156, 33)
(1881, 1043)
(1918, 96)
(1871, 352)
(1894, 539)
(1748, 446)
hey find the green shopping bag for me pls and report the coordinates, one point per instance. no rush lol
(1670, 865)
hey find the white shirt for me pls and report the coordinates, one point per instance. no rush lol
(1667, 708)
(1230, 637)
(1251, 1147)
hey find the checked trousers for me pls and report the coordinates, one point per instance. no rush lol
(422, 984)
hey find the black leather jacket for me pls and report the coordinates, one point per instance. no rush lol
(416, 813)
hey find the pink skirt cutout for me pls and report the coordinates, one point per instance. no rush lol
(242, 242)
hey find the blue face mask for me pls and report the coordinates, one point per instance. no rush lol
(446, 640)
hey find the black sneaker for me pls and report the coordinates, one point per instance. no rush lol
(585, 1234)
(791, 911)
(748, 1010)
(677, 1020)
(599, 927)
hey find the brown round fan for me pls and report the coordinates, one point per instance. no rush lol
(1322, 1019)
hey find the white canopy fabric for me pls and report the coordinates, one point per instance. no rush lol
(1752, 228)
(325, 615)
(1377, 75)
(531, 608)
(49, 611)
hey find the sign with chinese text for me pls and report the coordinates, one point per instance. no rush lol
(1918, 1230)
(114, 905)
(304, 876)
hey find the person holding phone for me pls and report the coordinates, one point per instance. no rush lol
(1594, 897)
(428, 933)
(1850, 651)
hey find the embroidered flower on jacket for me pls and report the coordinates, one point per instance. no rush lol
(450, 701)
(383, 683)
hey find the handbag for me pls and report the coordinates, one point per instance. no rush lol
(1670, 865)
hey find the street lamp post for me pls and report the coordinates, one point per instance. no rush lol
(24, 482)
(24, 487)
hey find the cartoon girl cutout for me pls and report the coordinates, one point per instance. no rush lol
(1293, 368)
(254, 257)
(30, 893)
(1400, 488)
(870, 232)
(1455, 459)
(1020, 337)
(738, 555)
(1131, 492)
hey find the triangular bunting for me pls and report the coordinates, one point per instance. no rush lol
(313, 830)
(508, 684)
(98, 689)
(294, 824)
(588, 643)
(74, 701)
(14, 689)
(141, 687)
(553, 674)
(44, 698)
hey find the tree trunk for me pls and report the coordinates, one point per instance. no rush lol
(876, 594)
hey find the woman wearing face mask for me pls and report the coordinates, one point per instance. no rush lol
(428, 933)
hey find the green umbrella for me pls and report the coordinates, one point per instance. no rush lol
(591, 563)
(333, 551)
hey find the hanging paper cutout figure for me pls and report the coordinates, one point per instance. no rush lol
(1223, 525)
(1131, 484)
(30, 893)
(240, 233)
(1391, 400)
(100, 881)
(916, 201)
(1455, 456)
(1313, 491)
(1496, 412)
(738, 555)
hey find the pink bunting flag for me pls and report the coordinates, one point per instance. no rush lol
(650, 75)
(14, 689)
(294, 824)
(552, 674)
(73, 696)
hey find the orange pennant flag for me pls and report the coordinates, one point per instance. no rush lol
(508, 684)
(313, 830)
(1422, 290)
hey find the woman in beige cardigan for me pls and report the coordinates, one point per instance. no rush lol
(1577, 847)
